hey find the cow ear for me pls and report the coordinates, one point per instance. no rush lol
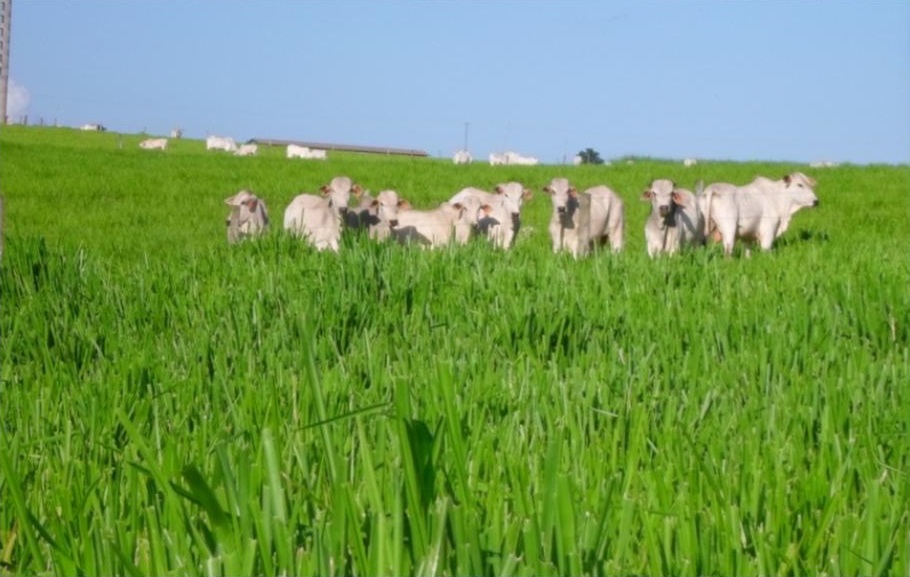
(325, 189)
(573, 192)
(787, 179)
(547, 189)
(498, 189)
(527, 194)
(403, 203)
(375, 203)
(678, 198)
(356, 190)
(646, 194)
(253, 203)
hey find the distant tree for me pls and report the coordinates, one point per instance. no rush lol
(590, 156)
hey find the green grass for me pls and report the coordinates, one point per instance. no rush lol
(174, 405)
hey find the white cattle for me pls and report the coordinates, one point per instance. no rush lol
(247, 150)
(495, 214)
(675, 221)
(518, 159)
(319, 219)
(176, 133)
(570, 221)
(433, 228)
(305, 152)
(249, 216)
(757, 212)
(578, 160)
(497, 159)
(225, 143)
(822, 164)
(384, 212)
(462, 157)
(154, 144)
(608, 217)
(689, 162)
(94, 127)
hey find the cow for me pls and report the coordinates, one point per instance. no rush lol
(497, 159)
(608, 217)
(176, 133)
(518, 159)
(154, 144)
(433, 228)
(570, 221)
(577, 160)
(94, 127)
(462, 157)
(383, 214)
(305, 152)
(247, 150)
(675, 221)
(225, 143)
(499, 214)
(249, 216)
(319, 219)
(687, 162)
(756, 212)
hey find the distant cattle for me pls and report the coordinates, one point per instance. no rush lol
(247, 150)
(433, 228)
(577, 160)
(225, 143)
(154, 144)
(176, 133)
(757, 212)
(249, 216)
(675, 221)
(608, 217)
(297, 151)
(511, 158)
(318, 219)
(497, 159)
(93, 127)
(462, 157)
(822, 164)
(689, 162)
(570, 221)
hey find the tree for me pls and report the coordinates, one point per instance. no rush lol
(590, 156)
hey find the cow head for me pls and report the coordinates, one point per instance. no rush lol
(663, 197)
(512, 195)
(801, 189)
(248, 215)
(565, 200)
(339, 192)
(386, 207)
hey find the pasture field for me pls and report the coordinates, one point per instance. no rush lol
(172, 405)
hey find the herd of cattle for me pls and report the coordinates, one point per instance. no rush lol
(757, 212)
(228, 144)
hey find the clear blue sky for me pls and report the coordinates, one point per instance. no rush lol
(796, 80)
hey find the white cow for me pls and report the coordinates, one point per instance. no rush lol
(154, 144)
(247, 150)
(578, 160)
(495, 214)
(518, 159)
(176, 133)
(675, 221)
(225, 143)
(497, 159)
(757, 212)
(94, 127)
(319, 219)
(433, 228)
(571, 219)
(249, 216)
(462, 157)
(689, 162)
(383, 214)
(305, 152)
(608, 217)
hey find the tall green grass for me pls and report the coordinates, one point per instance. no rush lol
(174, 405)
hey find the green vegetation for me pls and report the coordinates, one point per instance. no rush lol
(173, 405)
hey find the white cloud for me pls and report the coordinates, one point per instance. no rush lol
(17, 100)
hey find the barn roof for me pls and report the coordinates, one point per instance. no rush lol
(342, 147)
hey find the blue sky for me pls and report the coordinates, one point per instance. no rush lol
(793, 80)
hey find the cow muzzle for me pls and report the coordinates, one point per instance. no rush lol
(393, 223)
(663, 210)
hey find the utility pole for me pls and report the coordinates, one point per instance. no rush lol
(6, 10)
(466, 125)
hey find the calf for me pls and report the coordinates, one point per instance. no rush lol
(571, 219)
(675, 221)
(608, 217)
(154, 144)
(319, 219)
(499, 216)
(433, 228)
(249, 216)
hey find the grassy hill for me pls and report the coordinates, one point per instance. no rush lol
(171, 404)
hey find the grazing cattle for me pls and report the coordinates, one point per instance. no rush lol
(497, 159)
(689, 162)
(225, 143)
(675, 220)
(154, 144)
(433, 228)
(757, 212)
(247, 150)
(319, 219)
(499, 214)
(383, 214)
(176, 133)
(297, 151)
(93, 127)
(570, 221)
(249, 216)
(822, 164)
(578, 160)
(608, 217)
(462, 157)
(518, 159)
